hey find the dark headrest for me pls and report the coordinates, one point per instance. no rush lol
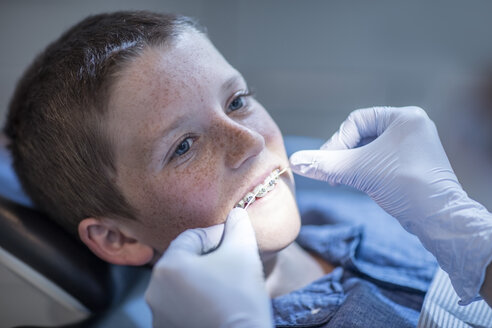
(34, 239)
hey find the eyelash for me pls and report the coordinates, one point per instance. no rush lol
(186, 137)
(242, 94)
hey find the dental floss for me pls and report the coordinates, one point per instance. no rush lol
(254, 196)
(284, 170)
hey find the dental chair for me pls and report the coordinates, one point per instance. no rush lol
(49, 279)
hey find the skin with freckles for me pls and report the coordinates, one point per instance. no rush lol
(190, 142)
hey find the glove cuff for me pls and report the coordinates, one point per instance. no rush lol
(461, 239)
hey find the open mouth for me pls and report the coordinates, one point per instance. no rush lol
(262, 189)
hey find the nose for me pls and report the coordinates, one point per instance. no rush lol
(239, 142)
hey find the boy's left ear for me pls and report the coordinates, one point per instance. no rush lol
(105, 239)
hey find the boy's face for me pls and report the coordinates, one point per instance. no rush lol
(190, 143)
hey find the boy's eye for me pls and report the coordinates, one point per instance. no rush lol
(237, 103)
(183, 147)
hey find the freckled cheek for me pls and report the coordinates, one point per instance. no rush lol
(199, 191)
(180, 204)
(198, 194)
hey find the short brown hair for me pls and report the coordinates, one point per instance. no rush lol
(60, 147)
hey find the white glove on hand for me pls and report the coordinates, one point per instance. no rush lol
(406, 171)
(224, 288)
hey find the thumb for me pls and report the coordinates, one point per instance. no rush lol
(238, 231)
(360, 127)
(197, 241)
(333, 166)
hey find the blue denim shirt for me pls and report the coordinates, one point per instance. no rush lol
(382, 271)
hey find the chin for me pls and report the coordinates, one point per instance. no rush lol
(276, 218)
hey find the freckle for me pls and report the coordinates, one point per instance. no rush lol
(237, 138)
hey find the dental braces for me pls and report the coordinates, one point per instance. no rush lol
(262, 189)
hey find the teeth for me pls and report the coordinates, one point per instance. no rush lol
(269, 183)
(240, 204)
(260, 190)
(249, 198)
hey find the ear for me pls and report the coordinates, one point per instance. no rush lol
(105, 239)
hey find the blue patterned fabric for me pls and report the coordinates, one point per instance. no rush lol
(382, 271)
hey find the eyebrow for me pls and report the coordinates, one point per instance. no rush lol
(174, 125)
(229, 83)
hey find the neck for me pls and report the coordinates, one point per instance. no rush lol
(290, 269)
(269, 263)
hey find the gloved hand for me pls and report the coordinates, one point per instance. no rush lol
(405, 170)
(223, 288)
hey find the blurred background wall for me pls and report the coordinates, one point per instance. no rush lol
(312, 62)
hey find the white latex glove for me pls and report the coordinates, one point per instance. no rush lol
(224, 288)
(406, 171)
